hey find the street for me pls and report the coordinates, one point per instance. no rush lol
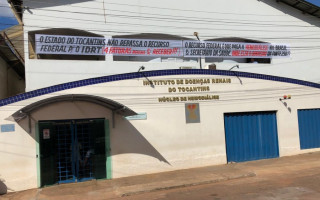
(292, 178)
(276, 184)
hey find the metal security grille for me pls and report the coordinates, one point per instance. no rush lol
(65, 153)
(75, 147)
(85, 166)
(72, 151)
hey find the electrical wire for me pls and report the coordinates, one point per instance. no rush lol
(115, 31)
(162, 8)
(175, 16)
(311, 48)
(167, 26)
(262, 94)
(136, 12)
(185, 20)
(126, 24)
(152, 101)
(130, 24)
(291, 47)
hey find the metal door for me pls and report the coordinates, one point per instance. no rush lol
(309, 128)
(251, 136)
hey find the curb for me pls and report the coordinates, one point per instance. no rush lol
(250, 174)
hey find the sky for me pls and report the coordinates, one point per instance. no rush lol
(7, 18)
(315, 2)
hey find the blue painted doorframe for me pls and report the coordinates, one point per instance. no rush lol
(251, 136)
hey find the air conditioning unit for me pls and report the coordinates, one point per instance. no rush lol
(212, 66)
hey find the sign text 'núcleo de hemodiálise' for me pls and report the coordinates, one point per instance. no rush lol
(189, 98)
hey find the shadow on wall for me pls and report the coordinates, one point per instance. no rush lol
(3, 187)
(293, 12)
(125, 139)
(129, 140)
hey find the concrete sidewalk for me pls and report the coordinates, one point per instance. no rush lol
(109, 189)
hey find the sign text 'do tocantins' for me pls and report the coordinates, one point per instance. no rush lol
(82, 45)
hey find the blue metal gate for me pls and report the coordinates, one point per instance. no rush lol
(65, 137)
(74, 142)
(251, 136)
(309, 128)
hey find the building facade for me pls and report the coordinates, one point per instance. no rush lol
(103, 116)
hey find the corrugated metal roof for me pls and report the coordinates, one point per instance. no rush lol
(304, 6)
(17, 9)
(12, 48)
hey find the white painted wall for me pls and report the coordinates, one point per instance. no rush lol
(164, 141)
(10, 83)
(264, 20)
(18, 156)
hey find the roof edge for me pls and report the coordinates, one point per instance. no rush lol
(13, 5)
(105, 102)
(315, 8)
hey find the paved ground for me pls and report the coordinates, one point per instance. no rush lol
(289, 188)
(294, 177)
(274, 182)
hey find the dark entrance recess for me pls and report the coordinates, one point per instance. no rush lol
(72, 151)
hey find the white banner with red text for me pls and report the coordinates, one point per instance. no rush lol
(194, 48)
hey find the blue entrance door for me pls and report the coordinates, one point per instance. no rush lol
(251, 136)
(309, 128)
